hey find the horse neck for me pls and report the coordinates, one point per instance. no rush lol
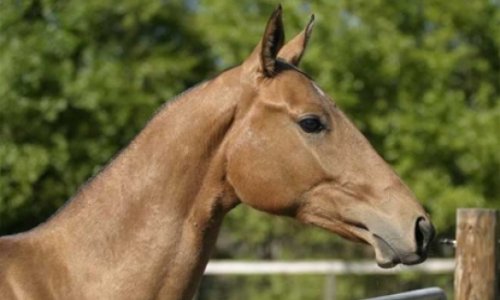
(150, 219)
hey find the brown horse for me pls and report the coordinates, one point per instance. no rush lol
(262, 133)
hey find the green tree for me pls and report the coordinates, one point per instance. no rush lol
(78, 79)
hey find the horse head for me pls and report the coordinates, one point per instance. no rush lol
(292, 151)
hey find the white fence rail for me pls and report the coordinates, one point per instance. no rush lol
(335, 267)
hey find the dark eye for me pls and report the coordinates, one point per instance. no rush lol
(311, 124)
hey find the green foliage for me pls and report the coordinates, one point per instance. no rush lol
(78, 79)
(269, 287)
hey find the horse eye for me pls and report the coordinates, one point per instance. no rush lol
(311, 124)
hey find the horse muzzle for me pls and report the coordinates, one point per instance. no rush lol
(392, 249)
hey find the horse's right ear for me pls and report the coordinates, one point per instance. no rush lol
(293, 51)
(263, 57)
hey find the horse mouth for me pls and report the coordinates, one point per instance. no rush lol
(385, 255)
(388, 256)
(388, 253)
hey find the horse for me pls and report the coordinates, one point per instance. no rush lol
(263, 134)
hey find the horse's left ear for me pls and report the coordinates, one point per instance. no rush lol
(272, 41)
(293, 51)
(263, 58)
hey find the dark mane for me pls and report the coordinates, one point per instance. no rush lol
(282, 65)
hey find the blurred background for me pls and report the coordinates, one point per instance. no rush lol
(421, 79)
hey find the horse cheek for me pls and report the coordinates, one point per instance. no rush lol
(259, 179)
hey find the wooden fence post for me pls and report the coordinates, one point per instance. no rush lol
(477, 259)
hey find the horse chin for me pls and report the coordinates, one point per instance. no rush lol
(384, 254)
(388, 256)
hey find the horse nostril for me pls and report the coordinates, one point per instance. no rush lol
(424, 233)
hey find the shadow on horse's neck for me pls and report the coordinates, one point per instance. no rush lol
(159, 204)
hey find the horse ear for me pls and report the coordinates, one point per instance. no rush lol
(293, 51)
(272, 41)
(263, 57)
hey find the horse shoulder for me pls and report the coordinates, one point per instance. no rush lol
(23, 273)
(9, 268)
